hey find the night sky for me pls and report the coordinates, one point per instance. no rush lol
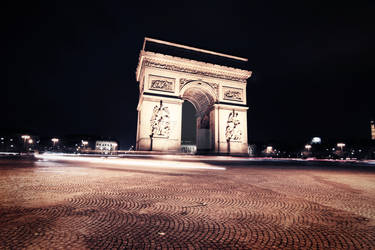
(69, 67)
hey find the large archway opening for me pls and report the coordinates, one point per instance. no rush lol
(202, 99)
(188, 129)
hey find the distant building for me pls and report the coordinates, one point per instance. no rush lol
(16, 142)
(106, 146)
(188, 147)
(372, 130)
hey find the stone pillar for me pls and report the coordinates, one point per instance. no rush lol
(159, 124)
(203, 134)
(230, 129)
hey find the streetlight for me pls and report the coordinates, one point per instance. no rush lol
(84, 143)
(113, 148)
(316, 140)
(308, 147)
(55, 140)
(30, 141)
(269, 149)
(25, 137)
(341, 145)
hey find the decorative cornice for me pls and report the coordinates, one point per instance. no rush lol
(229, 106)
(154, 64)
(160, 95)
(157, 60)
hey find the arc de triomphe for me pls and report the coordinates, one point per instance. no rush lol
(217, 92)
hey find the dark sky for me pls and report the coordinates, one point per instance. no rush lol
(69, 67)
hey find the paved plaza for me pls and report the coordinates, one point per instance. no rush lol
(169, 204)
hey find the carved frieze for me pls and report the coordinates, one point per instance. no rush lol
(232, 130)
(160, 125)
(159, 65)
(233, 94)
(161, 83)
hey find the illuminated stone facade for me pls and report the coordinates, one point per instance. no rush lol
(218, 94)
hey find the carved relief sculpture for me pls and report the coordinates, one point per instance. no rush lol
(232, 131)
(233, 94)
(160, 126)
(163, 85)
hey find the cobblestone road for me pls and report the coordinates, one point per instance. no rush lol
(81, 205)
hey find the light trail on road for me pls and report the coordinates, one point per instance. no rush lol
(128, 162)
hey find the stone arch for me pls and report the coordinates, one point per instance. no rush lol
(203, 97)
(201, 94)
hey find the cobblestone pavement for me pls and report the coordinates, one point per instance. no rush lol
(80, 205)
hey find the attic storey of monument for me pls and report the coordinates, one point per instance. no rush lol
(217, 92)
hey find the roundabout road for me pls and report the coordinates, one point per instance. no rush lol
(78, 204)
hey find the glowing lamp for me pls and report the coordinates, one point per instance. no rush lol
(25, 137)
(54, 140)
(269, 149)
(316, 140)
